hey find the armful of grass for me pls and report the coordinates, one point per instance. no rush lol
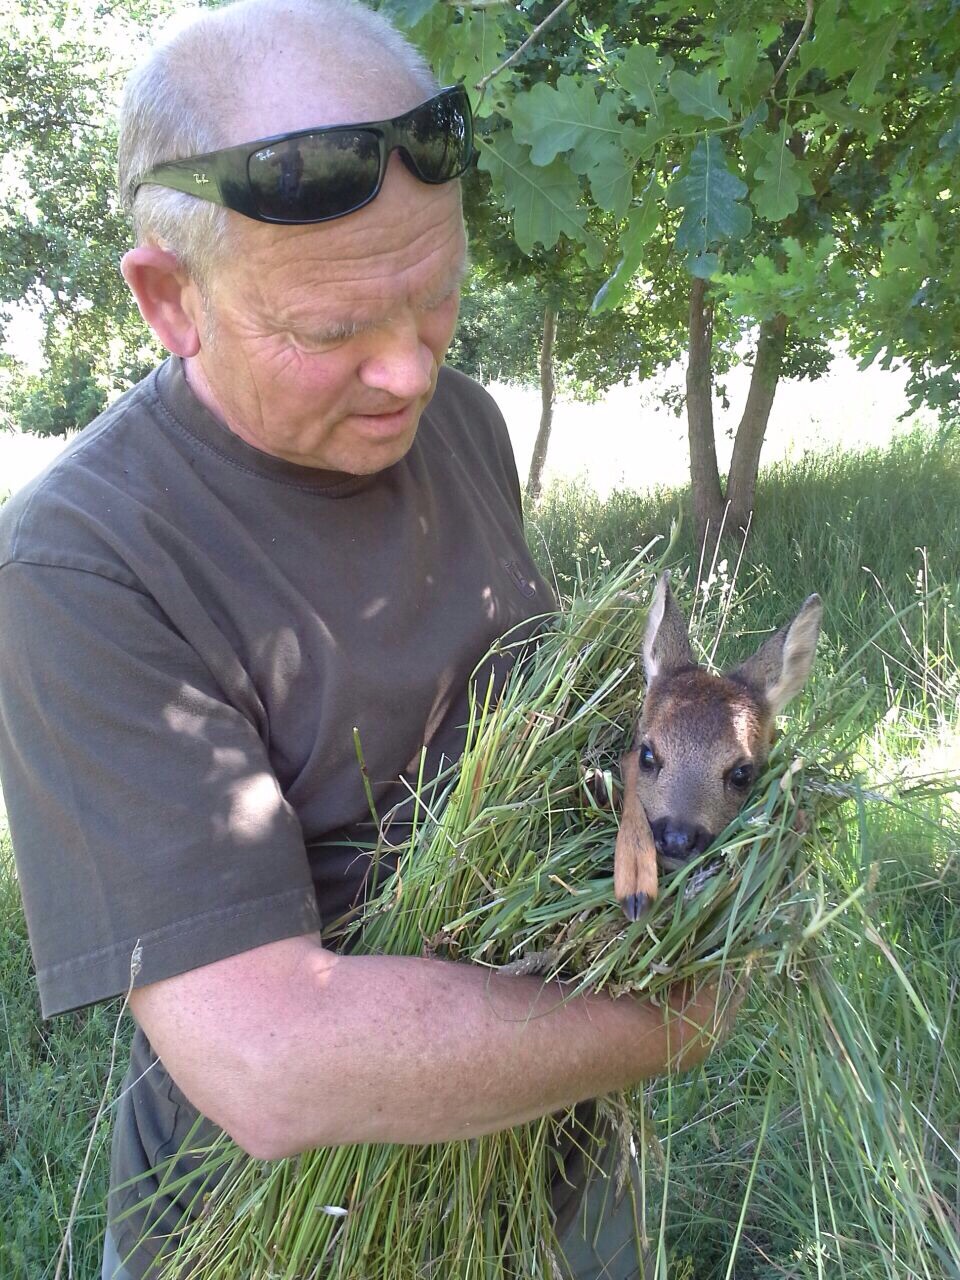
(289, 1046)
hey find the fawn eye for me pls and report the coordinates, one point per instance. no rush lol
(648, 760)
(741, 777)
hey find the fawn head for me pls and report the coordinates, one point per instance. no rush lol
(701, 741)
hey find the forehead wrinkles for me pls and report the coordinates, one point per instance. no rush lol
(436, 253)
(359, 266)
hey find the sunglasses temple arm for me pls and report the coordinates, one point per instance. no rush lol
(186, 177)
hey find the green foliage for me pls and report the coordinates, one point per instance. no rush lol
(53, 406)
(566, 117)
(479, 45)
(641, 225)
(700, 95)
(545, 202)
(780, 179)
(641, 73)
(62, 231)
(498, 333)
(599, 145)
(805, 284)
(845, 131)
(500, 328)
(709, 195)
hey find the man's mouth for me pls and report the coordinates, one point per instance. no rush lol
(390, 421)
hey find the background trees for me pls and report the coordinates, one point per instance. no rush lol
(61, 230)
(713, 183)
(775, 173)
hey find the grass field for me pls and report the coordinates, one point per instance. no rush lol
(878, 536)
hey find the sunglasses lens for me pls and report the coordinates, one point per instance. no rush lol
(315, 176)
(439, 137)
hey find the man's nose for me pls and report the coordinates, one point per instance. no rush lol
(400, 363)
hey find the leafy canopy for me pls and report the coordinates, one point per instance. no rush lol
(791, 152)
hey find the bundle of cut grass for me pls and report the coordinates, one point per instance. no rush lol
(510, 864)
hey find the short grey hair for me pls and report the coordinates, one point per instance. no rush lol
(178, 103)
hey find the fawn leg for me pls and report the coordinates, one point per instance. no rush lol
(635, 857)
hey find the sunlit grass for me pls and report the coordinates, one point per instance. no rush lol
(872, 532)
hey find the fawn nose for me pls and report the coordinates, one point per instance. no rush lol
(679, 841)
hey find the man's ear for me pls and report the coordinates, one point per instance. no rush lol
(168, 298)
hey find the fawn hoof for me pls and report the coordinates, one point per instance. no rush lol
(634, 905)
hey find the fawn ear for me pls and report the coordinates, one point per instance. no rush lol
(779, 668)
(665, 644)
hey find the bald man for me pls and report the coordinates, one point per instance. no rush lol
(298, 525)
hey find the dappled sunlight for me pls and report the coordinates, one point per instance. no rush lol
(279, 656)
(254, 803)
(374, 607)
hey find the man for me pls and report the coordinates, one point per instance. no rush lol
(298, 528)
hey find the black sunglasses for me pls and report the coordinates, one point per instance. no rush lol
(315, 175)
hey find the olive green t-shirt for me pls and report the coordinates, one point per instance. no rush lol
(194, 635)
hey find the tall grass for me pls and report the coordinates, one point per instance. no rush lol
(834, 1112)
(850, 1124)
(774, 1159)
(869, 531)
(52, 1076)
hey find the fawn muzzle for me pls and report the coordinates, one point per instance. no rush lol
(677, 842)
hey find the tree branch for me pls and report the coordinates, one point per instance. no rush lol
(804, 32)
(552, 16)
(821, 181)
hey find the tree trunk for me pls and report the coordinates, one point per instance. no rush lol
(547, 394)
(704, 472)
(745, 463)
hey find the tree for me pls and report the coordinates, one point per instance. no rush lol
(522, 320)
(63, 231)
(749, 164)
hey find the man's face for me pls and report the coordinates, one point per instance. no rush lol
(322, 344)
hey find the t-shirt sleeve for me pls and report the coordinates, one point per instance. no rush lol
(142, 804)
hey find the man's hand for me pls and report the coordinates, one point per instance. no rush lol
(290, 1046)
(708, 1012)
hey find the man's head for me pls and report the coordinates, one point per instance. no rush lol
(318, 343)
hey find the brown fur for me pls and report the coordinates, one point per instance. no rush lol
(701, 742)
(700, 728)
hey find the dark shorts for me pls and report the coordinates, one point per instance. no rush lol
(112, 1270)
(598, 1230)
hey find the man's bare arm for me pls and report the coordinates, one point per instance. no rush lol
(290, 1046)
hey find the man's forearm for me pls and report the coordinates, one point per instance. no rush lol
(324, 1050)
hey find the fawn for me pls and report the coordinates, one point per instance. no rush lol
(700, 744)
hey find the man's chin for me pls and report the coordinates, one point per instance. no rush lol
(375, 451)
(377, 441)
